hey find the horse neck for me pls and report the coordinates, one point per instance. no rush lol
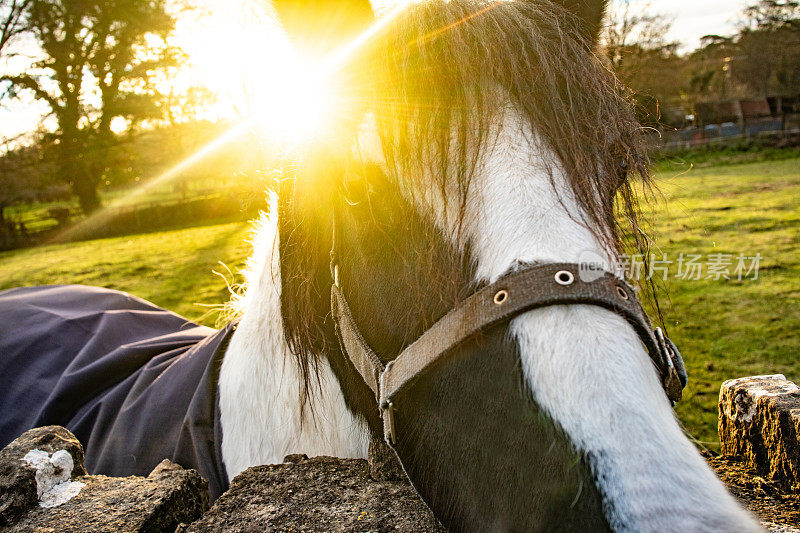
(584, 365)
(262, 415)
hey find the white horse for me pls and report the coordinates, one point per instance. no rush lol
(568, 387)
(476, 140)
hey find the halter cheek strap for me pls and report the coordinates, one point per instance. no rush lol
(535, 287)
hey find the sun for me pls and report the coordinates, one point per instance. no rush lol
(237, 51)
(298, 106)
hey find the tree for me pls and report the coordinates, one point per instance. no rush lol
(101, 58)
(635, 45)
(707, 73)
(768, 59)
(771, 14)
(630, 30)
(13, 21)
(25, 173)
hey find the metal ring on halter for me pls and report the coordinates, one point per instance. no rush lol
(500, 297)
(564, 277)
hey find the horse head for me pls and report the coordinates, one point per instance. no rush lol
(476, 139)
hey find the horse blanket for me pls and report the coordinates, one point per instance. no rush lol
(135, 383)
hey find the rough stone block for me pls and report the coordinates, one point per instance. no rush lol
(317, 494)
(18, 484)
(759, 420)
(44, 488)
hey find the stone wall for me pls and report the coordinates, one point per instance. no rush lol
(759, 421)
(44, 486)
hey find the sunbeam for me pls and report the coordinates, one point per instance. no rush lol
(105, 214)
(337, 58)
(296, 110)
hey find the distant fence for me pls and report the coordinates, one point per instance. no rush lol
(722, 136)
(773, 121)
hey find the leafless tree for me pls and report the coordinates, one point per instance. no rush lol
(634, 42)
(630, 28)
(13, 17)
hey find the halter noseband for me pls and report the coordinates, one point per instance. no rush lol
(537, 286)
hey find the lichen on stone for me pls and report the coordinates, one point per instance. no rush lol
(53, 473)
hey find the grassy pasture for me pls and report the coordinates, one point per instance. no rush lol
(725, 328)
(170, 268)
(729, 328)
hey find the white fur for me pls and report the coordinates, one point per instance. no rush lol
(585, 365)
(260, 383)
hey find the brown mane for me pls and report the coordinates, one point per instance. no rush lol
(434, 79)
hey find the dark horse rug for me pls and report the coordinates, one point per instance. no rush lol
(134, 382)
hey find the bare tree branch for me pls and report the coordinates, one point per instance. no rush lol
(26, 81)
(629, 28)
(13, 15)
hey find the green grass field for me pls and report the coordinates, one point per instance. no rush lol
(729, 328)
(725, 328)
(171, 268)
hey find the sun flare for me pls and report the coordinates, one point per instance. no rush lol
(239, 52)
(297, 107)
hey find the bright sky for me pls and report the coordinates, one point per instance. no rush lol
(238, 52)
(695, 18)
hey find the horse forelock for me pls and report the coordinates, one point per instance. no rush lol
(445, 71)
(436, 83)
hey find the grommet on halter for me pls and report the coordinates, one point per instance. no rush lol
(500, 297)
(564, 277)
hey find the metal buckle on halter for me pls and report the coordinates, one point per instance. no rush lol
(386, 410)
(387, 414)
(334, 269)
(671, 381)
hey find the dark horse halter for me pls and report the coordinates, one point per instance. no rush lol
(537, 286)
